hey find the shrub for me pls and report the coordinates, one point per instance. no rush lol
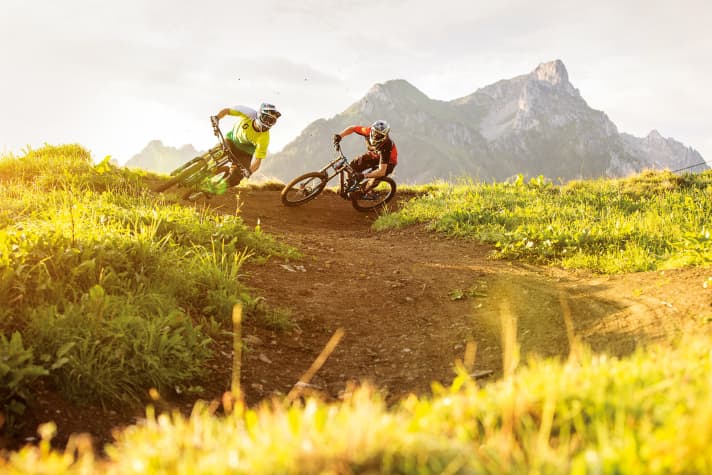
(17, 372)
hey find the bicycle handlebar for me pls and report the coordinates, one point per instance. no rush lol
(337, 147)
(216, 129)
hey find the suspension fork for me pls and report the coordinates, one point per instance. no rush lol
(226, 149)
(342, 184)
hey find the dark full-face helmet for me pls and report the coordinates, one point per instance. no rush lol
(267, 116)
(379, 132)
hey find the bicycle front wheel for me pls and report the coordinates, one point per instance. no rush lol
(303, 188)
(192, 168)
(382, 191)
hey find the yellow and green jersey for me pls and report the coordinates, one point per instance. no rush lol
(244, 136)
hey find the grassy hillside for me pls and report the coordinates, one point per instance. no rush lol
(108, 290)
(87, 256)
(654, 220)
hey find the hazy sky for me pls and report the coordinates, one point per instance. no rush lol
(114, 75)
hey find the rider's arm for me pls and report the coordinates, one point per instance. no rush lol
(239, 111)
(386, 154)
(255, 164)
(348, 131)
(380, 171)
(223, 113)
(260, 153)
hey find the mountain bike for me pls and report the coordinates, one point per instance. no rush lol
(366, 194)
(209, 168)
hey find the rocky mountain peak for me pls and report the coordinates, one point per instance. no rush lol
(654, 135)
(396, 90)
(393, 86)
(553, 72)
(154, 144)
(390, 95)
(554, 75)
(162, 158)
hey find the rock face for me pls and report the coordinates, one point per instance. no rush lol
(161, 158)
(534, 124)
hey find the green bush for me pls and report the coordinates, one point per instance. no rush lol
(113, 277)
(17, 373)
(116, 354)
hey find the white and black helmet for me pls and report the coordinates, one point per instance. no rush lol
(379, 132)
(267, 116)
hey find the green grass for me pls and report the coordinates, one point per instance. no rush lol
(110, 285)
(647, 413)
(96, 271)
(655, 220)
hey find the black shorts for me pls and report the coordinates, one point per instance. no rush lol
(244, 159)
(368, 161)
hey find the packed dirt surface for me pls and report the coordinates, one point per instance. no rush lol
(408, 302)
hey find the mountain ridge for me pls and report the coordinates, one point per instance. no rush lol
(161, 158)
(533, 124)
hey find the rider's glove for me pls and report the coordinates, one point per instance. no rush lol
(337, 138)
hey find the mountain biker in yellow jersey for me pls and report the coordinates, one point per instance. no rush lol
(249, 138)
(382, 154)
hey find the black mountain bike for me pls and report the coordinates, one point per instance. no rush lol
(212, 165)
(368, 194)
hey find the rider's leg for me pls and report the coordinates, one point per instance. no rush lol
(369, 184)
(358, 165)
(235, 175)
(211, 186)
(361, 163)
(364, 162)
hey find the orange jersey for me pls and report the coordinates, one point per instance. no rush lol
(386, 151)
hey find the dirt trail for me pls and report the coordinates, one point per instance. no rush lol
(408, 302)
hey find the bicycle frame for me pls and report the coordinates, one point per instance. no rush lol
(309, 185)
(226, 149)
(338, 166)
(218, 160)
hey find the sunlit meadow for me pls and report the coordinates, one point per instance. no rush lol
(87, 255)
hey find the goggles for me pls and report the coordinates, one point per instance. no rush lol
(377, 136)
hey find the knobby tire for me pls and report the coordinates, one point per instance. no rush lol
(383, 188)
(186, 172)
(312, 184)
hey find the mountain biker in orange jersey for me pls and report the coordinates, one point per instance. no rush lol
(249, 137)
(382, 154)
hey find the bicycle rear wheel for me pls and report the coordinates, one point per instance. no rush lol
(382, 191)
(303, 188)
